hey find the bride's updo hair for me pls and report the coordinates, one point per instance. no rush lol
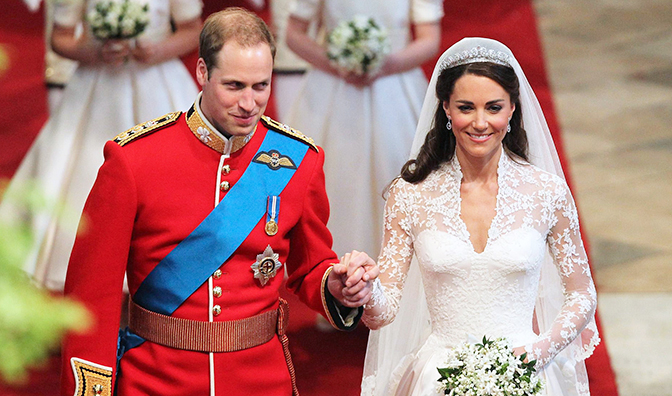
(439, 145)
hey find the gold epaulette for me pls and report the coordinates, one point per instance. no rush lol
(287, 130)
(146, 128)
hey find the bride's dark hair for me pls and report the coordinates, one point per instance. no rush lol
(439, 145)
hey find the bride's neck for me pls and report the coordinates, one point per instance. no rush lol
(479, 169)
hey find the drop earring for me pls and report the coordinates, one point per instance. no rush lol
(449, 124)
(508, 126)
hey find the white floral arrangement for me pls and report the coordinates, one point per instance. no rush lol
(488, 368)
(120, 19)
(358, 45)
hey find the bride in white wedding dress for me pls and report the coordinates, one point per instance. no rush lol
(481, 236)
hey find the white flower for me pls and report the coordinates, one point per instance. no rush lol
(488, 368)
(358, 45)
(127, 26)
(118, 19)
(203, 134)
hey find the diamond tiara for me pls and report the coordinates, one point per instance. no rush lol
(477, 54)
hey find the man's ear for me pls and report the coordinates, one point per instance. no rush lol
(201, 72)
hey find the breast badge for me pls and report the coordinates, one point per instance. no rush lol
(266, 266)
(274, 160)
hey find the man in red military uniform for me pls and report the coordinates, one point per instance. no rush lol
(205, 211)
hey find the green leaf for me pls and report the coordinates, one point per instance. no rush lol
(28, 335)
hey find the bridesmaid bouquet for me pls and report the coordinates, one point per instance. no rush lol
(121, 19)
(358, 45)
(488, 368)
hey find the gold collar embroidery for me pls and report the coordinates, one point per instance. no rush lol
(202, 129)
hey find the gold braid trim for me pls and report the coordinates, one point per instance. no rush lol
(325, 306)
(146, 128)
(289, 131)
(91, 379)
(208, 137)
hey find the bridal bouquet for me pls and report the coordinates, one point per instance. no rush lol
(121, 19)
(489, 368)
(358, 45)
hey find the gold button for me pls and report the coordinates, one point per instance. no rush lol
(224, 185)
(226, 169)
(217, 291)
(216, 310)
(217, 274)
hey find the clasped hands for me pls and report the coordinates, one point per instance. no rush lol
(351, 280)
(117, 52)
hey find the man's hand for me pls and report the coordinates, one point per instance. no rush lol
(351, 280)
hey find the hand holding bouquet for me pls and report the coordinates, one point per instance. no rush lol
(489, 368)
(357, 46)
(118, 19)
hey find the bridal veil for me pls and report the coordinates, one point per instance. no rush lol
(391, 345)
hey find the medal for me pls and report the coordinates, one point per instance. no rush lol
(271, 227)
(272, 209)
(266, 266)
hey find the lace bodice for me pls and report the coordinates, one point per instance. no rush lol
(490, 293)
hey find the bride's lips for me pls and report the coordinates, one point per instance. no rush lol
(480, 137)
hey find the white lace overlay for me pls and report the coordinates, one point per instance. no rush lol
(493, 292)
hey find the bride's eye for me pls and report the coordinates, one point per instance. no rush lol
(465, 108)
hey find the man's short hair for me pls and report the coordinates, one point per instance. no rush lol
(233, 23)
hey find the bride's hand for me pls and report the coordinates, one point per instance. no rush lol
(350, 281)
(518, 351)
(115, 52)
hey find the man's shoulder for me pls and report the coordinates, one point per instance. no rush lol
(285, 129)
(146, 128)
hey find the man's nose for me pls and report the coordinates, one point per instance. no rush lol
(246, 100)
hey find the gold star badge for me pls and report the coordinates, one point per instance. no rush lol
(266, 266)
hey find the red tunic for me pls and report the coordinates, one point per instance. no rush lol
(149, 195)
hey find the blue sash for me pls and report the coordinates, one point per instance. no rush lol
(211, 244)
(217, 237)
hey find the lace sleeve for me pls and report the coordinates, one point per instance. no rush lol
(395, 256)
(570, 258)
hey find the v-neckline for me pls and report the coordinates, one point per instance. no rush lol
(493, 221)
(490, 228)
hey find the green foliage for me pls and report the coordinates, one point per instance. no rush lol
(32, 322)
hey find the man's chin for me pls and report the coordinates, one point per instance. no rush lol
(242, 130)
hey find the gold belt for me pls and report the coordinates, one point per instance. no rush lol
(196, 335)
